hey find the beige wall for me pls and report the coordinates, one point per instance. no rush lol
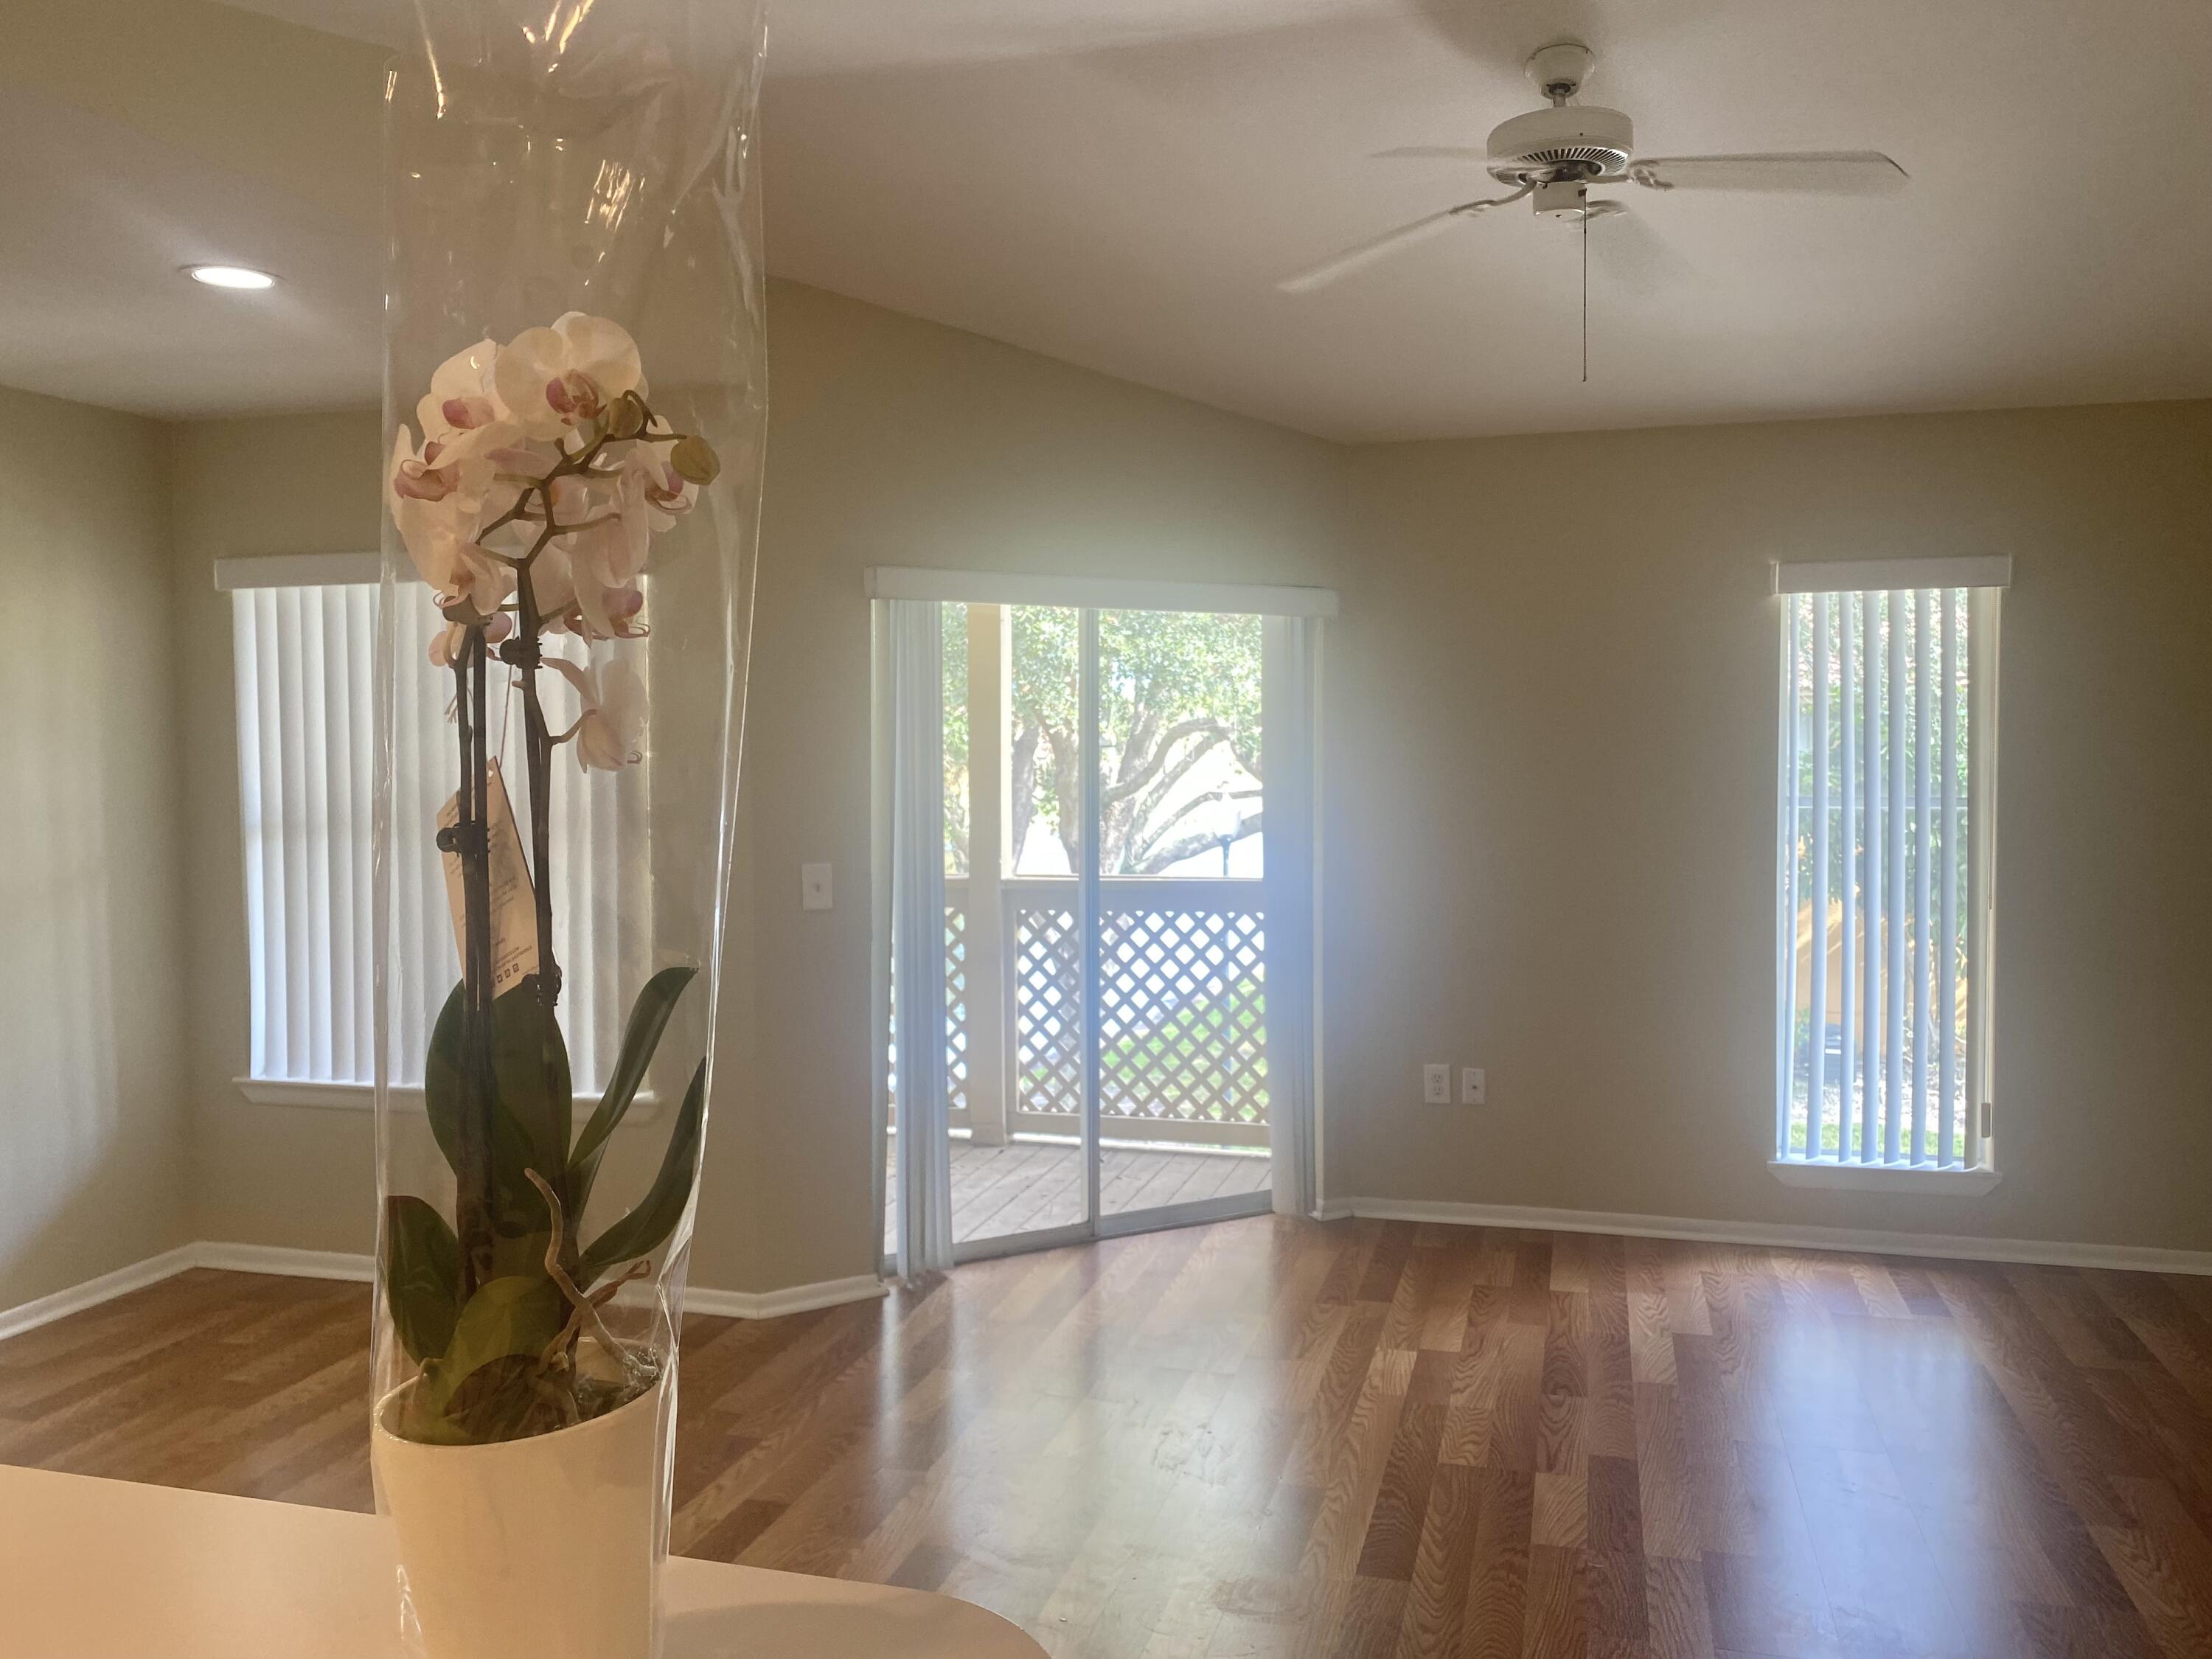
(1549, 815)
(93, 1115)
(1549, 720)
(291, 1175)
(892, 442)
(896, 442)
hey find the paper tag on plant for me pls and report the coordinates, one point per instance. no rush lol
(514, 901)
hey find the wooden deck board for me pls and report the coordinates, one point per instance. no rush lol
(1028, 1186)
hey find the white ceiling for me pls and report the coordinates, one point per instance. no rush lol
(1119, 183)
(100, 220)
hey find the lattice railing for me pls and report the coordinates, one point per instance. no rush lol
(1182, 1014)
(1047, 1011)
(955, 1007)
(955, 1015)
(1183, 1010)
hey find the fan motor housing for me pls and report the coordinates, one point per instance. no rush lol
(1567, 142)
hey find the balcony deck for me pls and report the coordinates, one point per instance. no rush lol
(1030, 1184)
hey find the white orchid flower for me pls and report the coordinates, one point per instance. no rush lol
(554, 379)
(437, 508)
(606, 611)
(482, 581)
(609, 734)
(606, 558)
(517, 467)
(664, 493)
(585, 579)
(430, 474)
(432, 506)
(446, 649)
(463, 412)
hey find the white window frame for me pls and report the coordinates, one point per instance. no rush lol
(305, 570)
(1985, 578)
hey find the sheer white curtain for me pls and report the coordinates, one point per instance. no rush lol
(917, 859)
(1291, 685)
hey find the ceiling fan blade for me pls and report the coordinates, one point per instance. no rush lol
(1631, 253)
(1836, 173)
(1431, 153)
(1367, 252)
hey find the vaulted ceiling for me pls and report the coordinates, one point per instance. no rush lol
(1119, 183)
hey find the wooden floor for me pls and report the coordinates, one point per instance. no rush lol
(1274, 1437)
(1027, 1186)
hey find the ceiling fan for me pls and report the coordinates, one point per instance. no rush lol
(1551, 157)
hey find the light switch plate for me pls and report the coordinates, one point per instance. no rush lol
(814, 887)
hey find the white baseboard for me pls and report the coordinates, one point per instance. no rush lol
(44, 1309)
(829, 1293)
(697, 1298)
(795, 1299)
(358, 1268)
(288, 1264)
(1958, 1246)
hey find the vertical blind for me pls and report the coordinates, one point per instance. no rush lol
(1883, 876)
(304, 666)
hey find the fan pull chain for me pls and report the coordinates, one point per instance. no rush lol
(1586, 292)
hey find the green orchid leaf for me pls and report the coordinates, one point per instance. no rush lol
(441, 1079)
(522, 1252)
(422, 1276)
(515, 1315)
(646, 1228)
(528, 1123)
(530, 1063)
(648, 1020)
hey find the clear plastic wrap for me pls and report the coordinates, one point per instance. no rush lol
(574, 420)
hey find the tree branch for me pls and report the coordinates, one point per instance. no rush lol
(1067, 791)
(1023, 787)
(1158, 831)
(1174, 735)
(1191, 846)
(1142, 726)
(1179, 771)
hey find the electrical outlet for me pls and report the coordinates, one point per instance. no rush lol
(814, 887)
(1436, 1085)
(1473, 1090)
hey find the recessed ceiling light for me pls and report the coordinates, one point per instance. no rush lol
(230, 277)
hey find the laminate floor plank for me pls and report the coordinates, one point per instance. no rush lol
(1279, 1438)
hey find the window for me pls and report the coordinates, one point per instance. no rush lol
(1888, 767)
(305, 656)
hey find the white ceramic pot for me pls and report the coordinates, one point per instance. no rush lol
(540, 1548)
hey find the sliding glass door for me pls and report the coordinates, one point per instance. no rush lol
(1106, 1051)
(1180, 927)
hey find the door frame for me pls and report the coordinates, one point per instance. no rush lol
(1089, 596)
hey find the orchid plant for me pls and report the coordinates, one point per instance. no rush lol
(529, 506)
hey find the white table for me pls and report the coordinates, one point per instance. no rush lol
(111, 1570)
